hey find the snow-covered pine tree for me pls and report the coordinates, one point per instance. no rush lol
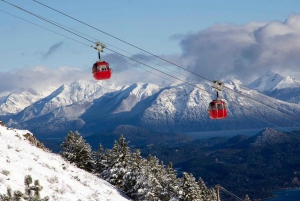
(118, 163)
(171, 183)
(149, 185)
(191, 190)
(210, 195)
(99, 160)
(32, 192)
(136, 171)
(77, 151)
(204, 192)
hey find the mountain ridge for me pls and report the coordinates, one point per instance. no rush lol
(91, 107)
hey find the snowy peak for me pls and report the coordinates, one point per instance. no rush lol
(60, 179)
(133, 94)
(80, 90)
(271, 81)
(288, 82)
(267, 82)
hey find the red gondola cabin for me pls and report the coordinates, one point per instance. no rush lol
(101, 70)
(217, 109)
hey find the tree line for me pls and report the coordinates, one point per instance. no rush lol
(139, 178)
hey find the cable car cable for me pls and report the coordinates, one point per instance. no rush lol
(113, 46)
(46, 28)
(109, 55)
(154, 54)
(272, 119)
(81, 43)
(121, 40)
(63, 27)
(42, 18)
(284, 113)
(127, 56)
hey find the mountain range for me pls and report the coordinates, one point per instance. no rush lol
(91, 107)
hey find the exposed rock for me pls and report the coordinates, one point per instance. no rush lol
(30, 137)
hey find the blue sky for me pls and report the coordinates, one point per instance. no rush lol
(162, 27)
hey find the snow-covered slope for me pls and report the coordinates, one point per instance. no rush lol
(288, 82)
(60, 180)
(287, 90)
(130, 96)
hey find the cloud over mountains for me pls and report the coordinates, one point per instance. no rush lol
(39, 77)
(244, 51)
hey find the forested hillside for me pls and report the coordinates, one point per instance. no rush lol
(139, 178)
(254, 165)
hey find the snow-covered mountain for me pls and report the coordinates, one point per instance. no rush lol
(17, 101)
(60, 179)
(90, 107)
(279, 87)
(51, 98)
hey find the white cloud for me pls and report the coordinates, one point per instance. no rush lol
(244, 51)
(39, 77)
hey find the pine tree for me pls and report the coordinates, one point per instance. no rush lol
(32, 192)
(118, 163)
(191, 190)
(171, 183)
(204, 192)
(149, 185)
(210, 195)
(16, 196)
(75, 150)
(135, 168)
(99, 161)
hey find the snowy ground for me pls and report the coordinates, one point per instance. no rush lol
(60, 180)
